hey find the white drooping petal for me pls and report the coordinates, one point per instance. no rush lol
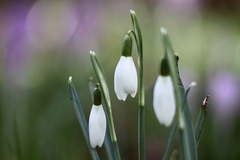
(125, 78)
(97, 126)
(163, 100)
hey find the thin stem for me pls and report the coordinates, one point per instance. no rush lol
(141, 132)
(141, 109)
(102, 80)
(185, 126)
(173, 69)
(107, 141)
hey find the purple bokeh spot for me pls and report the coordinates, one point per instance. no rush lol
(15, 36)
(224, 90)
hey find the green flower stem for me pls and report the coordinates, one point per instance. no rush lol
(188, 147)
(103, 83)
(107, 141)
(141, 109)
(173, 71)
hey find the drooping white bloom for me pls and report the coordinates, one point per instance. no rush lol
(163, 100)
(97, 126)
(125, 78)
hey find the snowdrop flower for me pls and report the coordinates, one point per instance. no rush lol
(125, 77)
(163, 96)
(97, 120)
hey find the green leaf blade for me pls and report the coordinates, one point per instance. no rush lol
(81, 118)
(186, 131)
(105, 92)
(201, 120)
(101, 77)
(173, 130)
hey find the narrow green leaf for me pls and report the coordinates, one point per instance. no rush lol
(108, 144)
(101, 78)
(81, 118)
(103, 84)
(185, 124)
(201, 120)
(174, 155)
(167, 151)
(17, 138)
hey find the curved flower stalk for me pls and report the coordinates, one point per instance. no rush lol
(97, 120)
(125, 77)
(164, 103)
(184, 119)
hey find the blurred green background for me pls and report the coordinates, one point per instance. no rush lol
(42, 43)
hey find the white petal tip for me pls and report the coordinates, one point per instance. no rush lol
(167, 124)
(93, 146)
(100, 145)
(122, 98)
(193, 84)
(91, 52)
(133, 95)
(70, 79)
(132, 11)
(163, 30)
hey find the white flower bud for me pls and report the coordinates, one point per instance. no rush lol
(125, 78)
(97, 126)
(163, 100)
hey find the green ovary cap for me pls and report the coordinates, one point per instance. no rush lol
(97, 95)
(127, 46)
(164, 67)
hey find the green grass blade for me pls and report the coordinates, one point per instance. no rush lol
(81, 117)
(105, 92)
(101, 78)
(167, 151)
(201, 120)
(108, 145)
(17, 138)
(188, 147)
